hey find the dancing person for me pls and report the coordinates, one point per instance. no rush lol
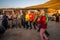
(14, 17)
(5, 21)
(31, 18)
(9, 19)
(23, 18)
(46, 24)
(43, 26)
(19, 19)
(27, 20)
(36, 13)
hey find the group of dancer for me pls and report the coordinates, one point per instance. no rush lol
(28, 20)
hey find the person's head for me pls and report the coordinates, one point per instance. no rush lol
(26, 12)
(57, 12)
(37, 12)
(31, 11)
(42, 12)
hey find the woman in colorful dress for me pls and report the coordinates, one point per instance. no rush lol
(43, 26)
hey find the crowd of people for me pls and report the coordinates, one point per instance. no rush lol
(37, 19)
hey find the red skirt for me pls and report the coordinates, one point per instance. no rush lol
(44, 26)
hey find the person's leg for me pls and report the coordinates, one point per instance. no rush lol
(45, 36)
(8, 24)
(27, 26)
(30, 25)
(11, 23)
(23, 23)
(41, 33)
(38, 28)
(16, 23)
(46, 33)
(34, 25)
(19, 23)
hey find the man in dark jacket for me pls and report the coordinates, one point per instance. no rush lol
(5, 21)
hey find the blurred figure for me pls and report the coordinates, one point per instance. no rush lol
(57, 17)
(27, 20)
(23, 18)
(14, 17)
(45, 14)
(19, 19)
(9, 19)
(47, 19)
(31, 18)
(5, 21)
(1, 17)
(43, 26)
(36, 13)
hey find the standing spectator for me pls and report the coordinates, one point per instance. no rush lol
(9, 19)
(14, 17)
(23, 18)
(57, 17)
(19, 19)
(1, 17)
(5, 21)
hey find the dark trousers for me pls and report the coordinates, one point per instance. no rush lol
(26, 23)
(5, 24)
(30, 25)
(34, 24)
(23, 24)
(14, 23)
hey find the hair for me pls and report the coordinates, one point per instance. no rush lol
(38, 10)
(31, 11)
(45, 10)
